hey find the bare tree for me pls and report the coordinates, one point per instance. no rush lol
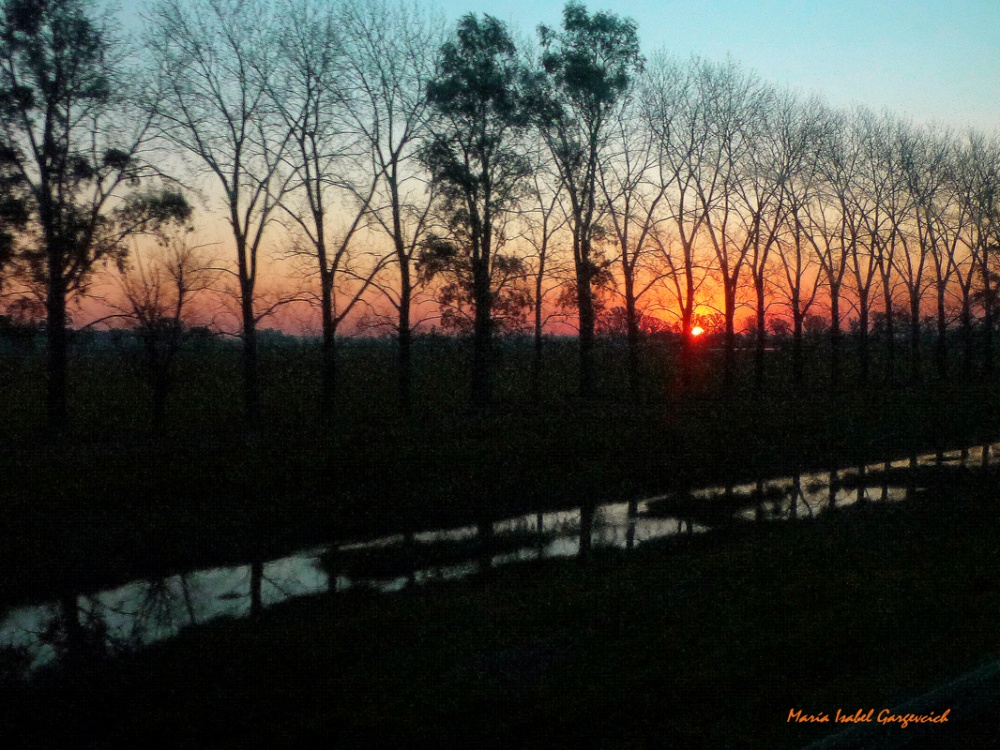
(984, 198)
(633, 196)
(214, 59)
(871, 198)
(833, 225)
(673, 108)
(389, 50)
(731, 119)
(795, 133)
(157, 289)
(977, 181)
(331, 176)
(945, 218)
(774, 154)
(896, 202)
(543, 216)
(911, 263)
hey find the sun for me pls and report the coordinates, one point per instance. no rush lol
(697, 331)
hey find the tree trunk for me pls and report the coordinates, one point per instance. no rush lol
(915, 368)
(328, 393)
(730, 338)
(987, 317)
(587, 321)
(405, 338)
(56, 339)
(536, 361)
(966, 323)
(536, 366)
(761, 337)
(941, 345)
(835, 339)
(864, 352)
(798, 364)
(632, 324)
(251, 396)
(482, 336)
(890, 342)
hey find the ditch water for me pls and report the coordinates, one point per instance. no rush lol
(146, 611)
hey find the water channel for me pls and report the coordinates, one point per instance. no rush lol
(145, 611)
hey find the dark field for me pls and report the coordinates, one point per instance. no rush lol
(703, 643)
(111, 501)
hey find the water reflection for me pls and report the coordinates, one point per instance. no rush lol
(141, 612)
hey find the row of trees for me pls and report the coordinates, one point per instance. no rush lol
(397, 158)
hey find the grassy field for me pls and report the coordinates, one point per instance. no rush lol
(704, 642)
(111, 502)
(708, 642)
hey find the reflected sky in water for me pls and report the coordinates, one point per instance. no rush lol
(145, 611)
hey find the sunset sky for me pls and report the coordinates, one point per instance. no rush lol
(915, 59)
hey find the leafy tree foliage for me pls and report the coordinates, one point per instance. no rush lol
(588, 68)
(476, 160)
(72, 142)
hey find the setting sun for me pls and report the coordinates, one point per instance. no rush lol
(697, 331)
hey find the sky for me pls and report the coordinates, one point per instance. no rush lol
(929, 61)
(932, 61)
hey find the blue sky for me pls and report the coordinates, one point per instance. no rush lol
(932, 61)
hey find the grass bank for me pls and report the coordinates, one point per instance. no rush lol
(110, 502)
(706, 642)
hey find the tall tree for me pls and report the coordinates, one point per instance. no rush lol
(911, 263)
(587, 67)
(214, 60)
(978, 188)
(332, 184)
(475, 159)
(14, 212)
(74, 139)
(673, 109)
(834, 225)
(633, 195)
(871, 195)
(544, 217)
(801, 137)
(731, 118)
(389, 51)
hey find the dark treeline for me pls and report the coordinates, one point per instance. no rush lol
(392, 161)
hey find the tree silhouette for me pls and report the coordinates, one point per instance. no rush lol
(157, 289)
(587, 68)
(214, 60)
(310, 93)
(74, 138)
(474, 158)
(389, 50)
